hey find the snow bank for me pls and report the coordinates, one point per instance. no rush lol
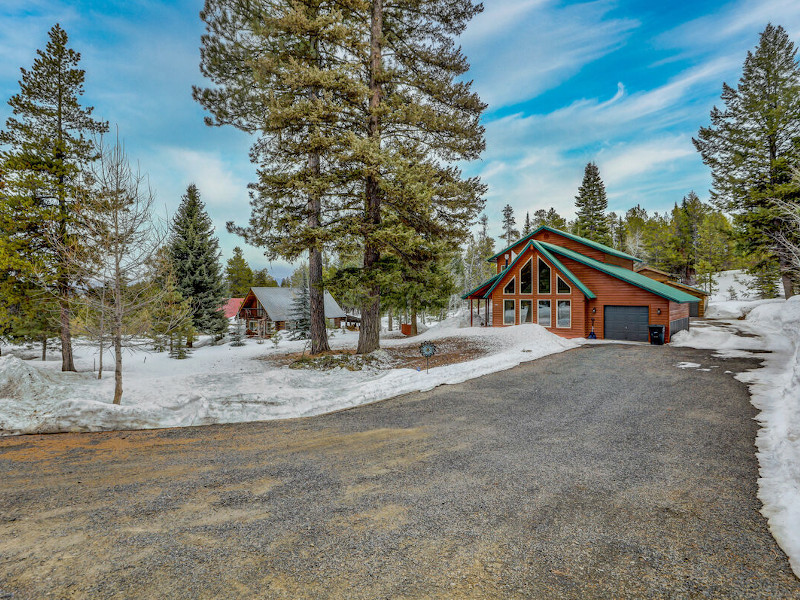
(222, 384)
(775, 391)
(735, 309)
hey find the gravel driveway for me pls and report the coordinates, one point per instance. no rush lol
(602, 472)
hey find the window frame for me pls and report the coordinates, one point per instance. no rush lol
(529, 262)
(530, 314)
(569, 326)
(510, 281)
(568, 286)
(539, 277)
(538, 306)
(505, 312)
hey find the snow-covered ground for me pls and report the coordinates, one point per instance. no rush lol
(225, 384)
(772, 326)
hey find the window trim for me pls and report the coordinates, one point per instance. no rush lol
(570, 314)
(569, 287)
(530, 262)
(514, 281)
(521, 322)
(514, 319)
(539, 278)
(550, 304)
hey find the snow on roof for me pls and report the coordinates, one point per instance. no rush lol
(231, 307)
(277, 302)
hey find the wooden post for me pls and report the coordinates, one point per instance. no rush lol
(470, 312)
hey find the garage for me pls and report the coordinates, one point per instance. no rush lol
(627, 323)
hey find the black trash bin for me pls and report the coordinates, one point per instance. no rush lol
(656, 335)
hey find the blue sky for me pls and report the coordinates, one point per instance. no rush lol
(624, 83)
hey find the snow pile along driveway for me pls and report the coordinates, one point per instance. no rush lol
(222, 384)
(775, 391)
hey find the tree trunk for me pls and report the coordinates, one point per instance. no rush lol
(117, 333)
(369, 333)
(390, 319)
(67, 360)
(413, 321)
(44, 348)
(100, 366)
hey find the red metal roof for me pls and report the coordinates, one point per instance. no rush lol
(231, 307)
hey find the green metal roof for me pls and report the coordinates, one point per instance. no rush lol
(577, 238)
(495, 281)
(484, 284)
(637, 279)
(567, 273)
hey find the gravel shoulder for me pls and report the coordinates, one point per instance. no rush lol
(601, 472)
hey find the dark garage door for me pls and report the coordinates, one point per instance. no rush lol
(626, 323)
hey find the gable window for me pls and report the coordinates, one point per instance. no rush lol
(561, 286)
(543, 318)
(526, 278)
(526, 311)
(544, 278)
(508, 312)
(564, 314)
(510, 286)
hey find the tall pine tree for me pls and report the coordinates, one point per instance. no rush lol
(45, 153)
(510, 232)
(194, 253)
(238, 275)
(284, 69)
(591, 203)
(753, 144)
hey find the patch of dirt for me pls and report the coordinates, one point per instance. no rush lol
(449, 351)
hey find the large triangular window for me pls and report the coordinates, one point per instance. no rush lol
(510, 286)
(563, 287)
(526, 278)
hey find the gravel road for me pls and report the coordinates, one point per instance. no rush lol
(602, 472)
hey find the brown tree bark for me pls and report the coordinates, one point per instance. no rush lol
(319, 332)
(369, 332)
(44, 348)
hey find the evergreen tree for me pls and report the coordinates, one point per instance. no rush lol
(45, 152)
(237, 333)
(510, 234)
(753, 144)
(591, 203)
(527, 228)
(262, 278)
(550, 218)
(194, 253)
(480, 248)
(420, 115)
(284, 69)
(238, 275)
(636, 219)
(301, 310)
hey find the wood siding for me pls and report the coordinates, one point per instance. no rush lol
(615, 292)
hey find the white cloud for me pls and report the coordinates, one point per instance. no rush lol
(519, 50)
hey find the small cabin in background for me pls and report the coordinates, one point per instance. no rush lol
(266, 310)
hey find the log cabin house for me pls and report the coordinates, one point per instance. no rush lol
(266, 310)
(573, 286)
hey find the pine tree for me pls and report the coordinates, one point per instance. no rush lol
(262, 278)
(510, 234)
(238, 275)
(194, 253)
(550, 218)
(294, 82)
(528, 227)
(237, 333)
(421, 115)
(301, 310)
(591, 203)
(753, 144)
(45, 152)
